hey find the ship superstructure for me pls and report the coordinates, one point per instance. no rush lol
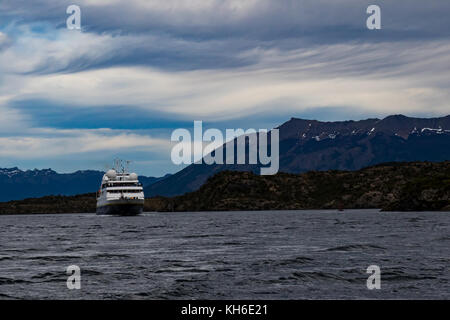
(120, 193)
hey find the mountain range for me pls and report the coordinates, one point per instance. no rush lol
(16, 184)
(305, 145)
(395, 186)
(311, 145)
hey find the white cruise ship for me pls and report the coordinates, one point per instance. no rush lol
(120, 194)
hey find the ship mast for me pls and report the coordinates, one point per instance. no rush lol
(122, 166)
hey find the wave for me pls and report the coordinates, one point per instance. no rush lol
(195, 236)
(5, 258)
(89, 272)
(297, 260)
(399, 275)
(111, 255)
(53, 258)
(442, 239)
(8, 297)
(324, 276)
(12, 281)
(355, 247)
(192, 270)
(283, 262)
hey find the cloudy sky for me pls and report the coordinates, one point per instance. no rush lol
(138, 69)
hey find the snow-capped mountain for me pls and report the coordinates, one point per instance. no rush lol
(307, 145)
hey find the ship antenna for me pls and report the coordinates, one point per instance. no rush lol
(128, 166)
(116, 164)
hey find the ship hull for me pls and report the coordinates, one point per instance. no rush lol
(121, 209)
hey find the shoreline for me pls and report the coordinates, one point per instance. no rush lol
(329, 210)
(375, 210)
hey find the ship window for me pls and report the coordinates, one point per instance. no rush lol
(126, 184)
(125, 191)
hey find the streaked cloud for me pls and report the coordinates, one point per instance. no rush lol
(145, 65)
(45, 142)
(338, 75)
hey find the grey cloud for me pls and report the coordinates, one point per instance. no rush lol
(173, 36)
(157, 51)
(5, 41)
(261, 20)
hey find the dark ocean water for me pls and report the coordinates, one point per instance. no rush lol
(227, 255)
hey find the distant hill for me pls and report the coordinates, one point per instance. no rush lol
(16, 184)
(83, 203)
(307, 145)
(417, 186)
